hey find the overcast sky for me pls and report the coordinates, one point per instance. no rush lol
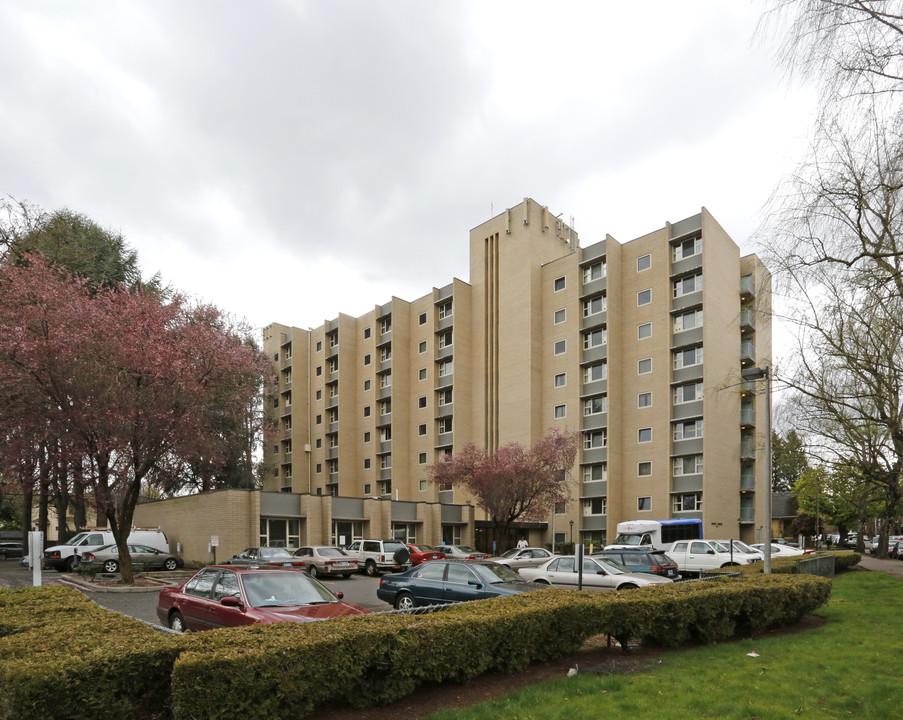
(288, 161)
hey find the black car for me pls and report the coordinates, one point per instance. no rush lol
(11, 550)
(449, 581)
(643, 560)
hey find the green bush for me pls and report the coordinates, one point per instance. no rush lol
(62, 656)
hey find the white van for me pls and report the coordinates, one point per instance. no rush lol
(63, 557)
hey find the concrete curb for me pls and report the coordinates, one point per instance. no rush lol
(79, 582)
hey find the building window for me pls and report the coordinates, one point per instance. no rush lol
(385, 325)
(318, 420)
(422, 485)
(595, 473)
(687, 285)
(421, 374)
(421, 429)
(319, 345)
(319, 443)
(366, 411)
(385, 380)
(319, 370)
(595, 405)
(385, 407)
(643, 297)
(560, 411)
(644, 504)
(561, 347)
(687, 502)
(333, 339)
(594, 306)
(686, 248)
(560, 316)
(421, 319)
(559, 284)
(445, 368)
(688, 430)
(644, 262)
(319, 394)
(319, 468)
(644, 366)
(385, 461)
(385, 434)
(644, 399)
(366, 333)
(688, 465)
(366, 488)
(421, 347)
(560, 380)
(560, 508)
(688, 320)
(595, 439)
(445, 310)
(644, 469)
(595, 506)
(687, 393)
(385, 353)
(445, 339)
(445, 397)
(644, 435)
(592, 373)
(644, 331)
(688, 357)
(366, 463)
(593, 272)
(421, 401)
(596, 338)
(421, 459)
(367, 437)
(366, 385)
(445, 425)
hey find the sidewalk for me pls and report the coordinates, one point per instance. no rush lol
(892, 567)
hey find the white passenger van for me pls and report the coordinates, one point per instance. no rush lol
(658, 534)
(64, 557)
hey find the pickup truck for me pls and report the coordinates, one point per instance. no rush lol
(697, 556)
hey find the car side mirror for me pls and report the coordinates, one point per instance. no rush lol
(710, 552)
(231, 601)
(477, 585)
(339, 594)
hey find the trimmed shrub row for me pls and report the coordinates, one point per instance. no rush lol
(62, 656)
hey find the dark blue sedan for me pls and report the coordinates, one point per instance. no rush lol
(449, 581)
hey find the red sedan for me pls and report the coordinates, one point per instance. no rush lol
(221, 596)
(422, 553)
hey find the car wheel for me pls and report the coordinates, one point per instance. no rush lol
(627, 586)
(170, 564)
(371, 569)
(313, 571)
(71, 564)
(177, 622)
(110, 566)
(405, 601)
(346, 576)
(542, 581)
(730, 564)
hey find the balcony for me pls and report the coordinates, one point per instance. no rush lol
(747, 482)
(747, 319)
(747, 352)
(747, 515)
(747, 288)
(747, 448)
(747, 416)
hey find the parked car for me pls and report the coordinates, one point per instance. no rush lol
(463, 552)
(697, 556)
(326, 560)
(642, 560)
(107, 558)
(598, 573)
(782, 541)
(424, 553)
(225, 596)
(65, 557)
(779, 550)
(518, 558)
(257, 556)
(744, 550)
(11, 550)
(448, 581)
(896, 550)
(376, 556)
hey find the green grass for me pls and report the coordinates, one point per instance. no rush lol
(850, 667)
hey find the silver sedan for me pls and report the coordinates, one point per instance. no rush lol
(523, 557)
(598, 574)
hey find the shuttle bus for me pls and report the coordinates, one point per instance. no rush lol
(659, 534)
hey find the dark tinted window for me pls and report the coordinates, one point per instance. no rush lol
(431, 571)
(201, 583)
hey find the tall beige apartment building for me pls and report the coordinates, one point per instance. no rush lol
(639, 345)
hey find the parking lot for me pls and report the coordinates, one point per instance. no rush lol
(141, 604)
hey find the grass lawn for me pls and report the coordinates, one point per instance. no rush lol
(850, 667)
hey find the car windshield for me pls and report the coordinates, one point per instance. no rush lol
(424, 548)
(612, 566)
(496, 574)
(718, 547)
(661, 559)
(76, 539)
(628, 540)
(332, 552)
(274, 552)
(511, 553)
(465, 548)
(269, 588)
(738, 546)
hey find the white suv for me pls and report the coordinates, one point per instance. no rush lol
(696, 556)
(376, 556)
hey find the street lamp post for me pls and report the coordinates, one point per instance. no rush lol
(755, 373)
(572, 532)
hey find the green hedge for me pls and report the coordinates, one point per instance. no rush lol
(62, 656)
